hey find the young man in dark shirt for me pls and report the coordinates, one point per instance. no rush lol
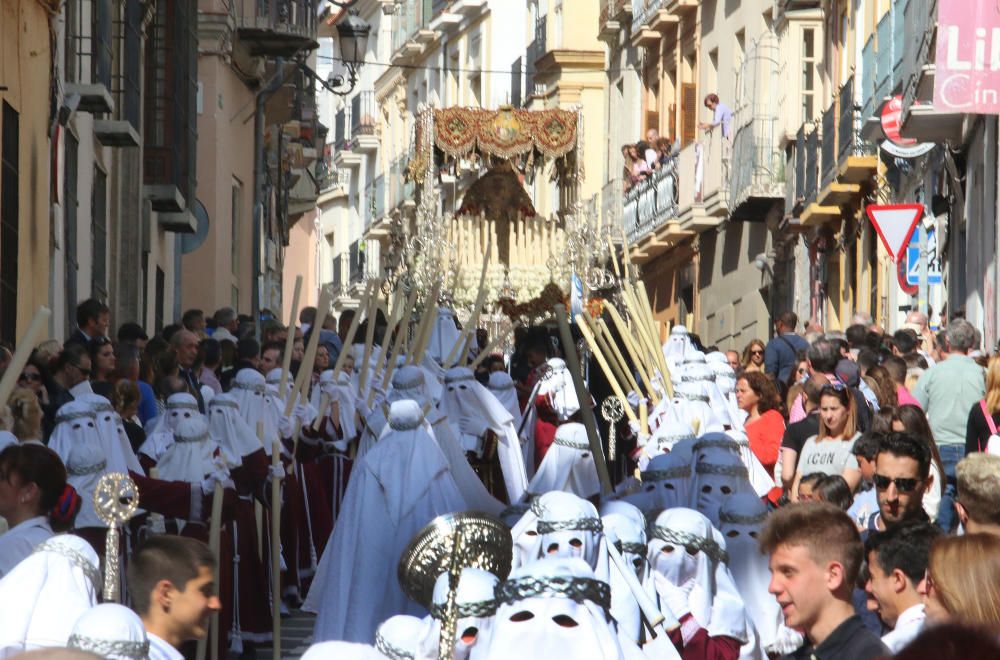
(815, 556)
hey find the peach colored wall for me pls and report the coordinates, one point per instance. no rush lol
(225, 153)
(300, 259)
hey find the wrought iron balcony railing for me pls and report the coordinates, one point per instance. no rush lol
(651, 203)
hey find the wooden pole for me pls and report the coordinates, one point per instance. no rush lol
(589, 337)
(660, 358)
(583, 396)
(470, 327)
(620, 369)
(25, 345)
(305, 369)
(214, 536)
(286, 360)
(397, 342)
(493, 345)
(351, 331)
(602, 332)
(634, 354)
(370, 317)
(276, 550)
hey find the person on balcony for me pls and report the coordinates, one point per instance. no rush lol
(722, 116)
(638, 168)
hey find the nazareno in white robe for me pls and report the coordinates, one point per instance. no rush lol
(400, 485)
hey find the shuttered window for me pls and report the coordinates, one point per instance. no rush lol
(689, 113)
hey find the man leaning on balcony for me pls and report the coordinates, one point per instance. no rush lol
(722, 115)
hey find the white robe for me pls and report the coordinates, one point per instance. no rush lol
(401, 484)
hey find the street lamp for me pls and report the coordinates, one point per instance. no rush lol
(352, 33)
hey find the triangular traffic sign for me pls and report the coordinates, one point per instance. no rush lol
(895, 224)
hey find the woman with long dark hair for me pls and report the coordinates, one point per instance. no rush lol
(35, 500)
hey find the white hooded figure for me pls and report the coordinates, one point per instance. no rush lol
(688, 575)
(227, 427)
(736, 441)
(664, 439)
(554, 608)
(725, 380)
(400, 485)
(503, 388)
(568, 464)
(409, 383)
(191, 457)
(666, 483)
(569, 526)
(259, 405)
(524, 533)
(628, 526)
(740, 520)
(444, 336)
(558, 388)
(117, 449)
(694, 406)
(471, 412)
(111, 631)
(476, 603)
(677, 347)
(400, 636)
(44, 595)
(160, 433)
(718, 474)
(340, 392)
(76, 441)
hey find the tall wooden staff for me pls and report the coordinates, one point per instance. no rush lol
(583, 396)
(589, 337)
(214, 541)
(276, 547)
(25, 345)
(305, 369)
(286, 360)
(351, 331)
(397, 342)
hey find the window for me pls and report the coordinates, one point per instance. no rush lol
(234, 247)
(70, 228)
(713, 71)
(9, 202)
(515, 83)
(128, 39)
(89, 43)
(99, 236)
(809, 75)
(171, 92)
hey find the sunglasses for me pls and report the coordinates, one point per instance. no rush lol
(30, 376)
(756, 352)
(903, 485)
(85, 372)
(834, 387)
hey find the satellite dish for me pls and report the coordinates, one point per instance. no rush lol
(191, 242)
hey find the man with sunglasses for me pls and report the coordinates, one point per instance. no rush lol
(70, 375)
(902, 476)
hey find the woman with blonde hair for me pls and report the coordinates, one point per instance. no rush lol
(831, 450)
(753, 356)
(26, 415)
(984, 418)
(963, 581)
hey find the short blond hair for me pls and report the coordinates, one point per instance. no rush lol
(26, 413)
(978, 476)
(965, 571)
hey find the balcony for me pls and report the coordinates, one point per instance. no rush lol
(275, 28)
(857, 161)
(410, 31)
(815, 210)
(90, 55)
(651, 19)
(921, 120)
(374, 199)
(364, 121)
(650, 215)
(703, 183)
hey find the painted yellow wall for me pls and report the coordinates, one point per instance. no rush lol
(25, 64)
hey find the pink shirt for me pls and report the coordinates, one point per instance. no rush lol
(905, 398)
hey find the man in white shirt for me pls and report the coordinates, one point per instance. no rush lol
(172, 583)
(897, 562)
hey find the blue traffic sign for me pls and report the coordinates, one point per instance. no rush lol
(913, 259)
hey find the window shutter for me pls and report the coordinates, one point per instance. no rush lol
(652, 120)
(689, 113)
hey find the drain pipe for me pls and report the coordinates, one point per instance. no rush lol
(260, 101)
